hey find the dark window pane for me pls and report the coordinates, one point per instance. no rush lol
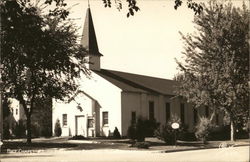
(133, 117)
(151, 110)
(105, 118)
(195, 116)
(167, 112)
(90, 123)
(182, 113)
(64, 119)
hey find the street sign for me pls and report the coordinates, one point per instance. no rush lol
(175, 125)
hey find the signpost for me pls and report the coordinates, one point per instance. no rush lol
(175, 126)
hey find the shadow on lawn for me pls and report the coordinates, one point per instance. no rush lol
(93, 146)
(37, 145)
(24, 156)
(123, 144)
(104, 143)
(66, 146)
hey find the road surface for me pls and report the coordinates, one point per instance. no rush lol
(233, 154)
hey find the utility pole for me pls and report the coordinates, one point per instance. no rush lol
(1, 113)
(1, 88)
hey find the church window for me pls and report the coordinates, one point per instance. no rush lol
(195, 116)
(16, 111)
(90, 123)
(133, 117)
(105, 119)
(151, 110)
(167, 111)
(182, 113)
(64, 119)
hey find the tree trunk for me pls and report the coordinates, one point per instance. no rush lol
(28, 124)
(232, 131)
(28, 112)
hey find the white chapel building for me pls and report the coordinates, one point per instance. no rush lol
(110, 99)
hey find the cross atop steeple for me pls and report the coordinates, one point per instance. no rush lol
(88, 4)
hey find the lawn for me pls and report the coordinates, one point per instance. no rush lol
(46, 144)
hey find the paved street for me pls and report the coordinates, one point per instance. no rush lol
(233, 154)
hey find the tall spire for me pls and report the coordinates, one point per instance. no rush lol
(88, 36)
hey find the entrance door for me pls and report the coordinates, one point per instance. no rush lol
(80, 125)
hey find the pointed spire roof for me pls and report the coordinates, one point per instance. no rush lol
(88, 36)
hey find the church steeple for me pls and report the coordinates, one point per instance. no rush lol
(89, 42)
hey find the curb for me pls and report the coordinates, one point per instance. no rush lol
(201, 148)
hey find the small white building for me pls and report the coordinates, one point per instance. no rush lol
(17, 110)
(112, 99)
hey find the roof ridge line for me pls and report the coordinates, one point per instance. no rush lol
(140, 75)
(135, 85)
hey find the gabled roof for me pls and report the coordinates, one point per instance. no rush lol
(89, 41)
(81, 91)
(139, 83)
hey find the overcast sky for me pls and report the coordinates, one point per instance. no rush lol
(146, 43)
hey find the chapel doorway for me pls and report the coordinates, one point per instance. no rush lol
(80, 126)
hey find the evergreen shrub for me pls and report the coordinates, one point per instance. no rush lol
(116, 134)
(58, 129)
